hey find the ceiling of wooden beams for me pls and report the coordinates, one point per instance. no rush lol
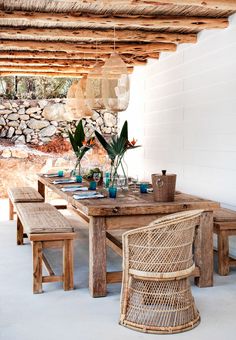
(67, 37)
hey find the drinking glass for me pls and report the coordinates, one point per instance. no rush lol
(135, 181)
(60, 173)
(143, 188)
(112, 192)
(92, 185)
(78, 178)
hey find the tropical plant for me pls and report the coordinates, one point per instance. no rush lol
(116, 149)
(79, 143)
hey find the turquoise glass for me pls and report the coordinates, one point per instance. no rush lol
(106, 179)
(112, 192)
(143, 188)
(60, 173)
(78, 179)
(92, 185)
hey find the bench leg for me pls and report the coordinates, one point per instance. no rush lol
(11, 210)
(223, 253)
(37, 266)
(20, 232)
(68, 265)
(41, 189)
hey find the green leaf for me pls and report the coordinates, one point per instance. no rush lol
(102, 141)
(73, 143)
(118, 145)
(79, 135)
(124, 131)
(108, 147)
(82, 152)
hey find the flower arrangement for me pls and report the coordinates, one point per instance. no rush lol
(79, 144)
(116, 149)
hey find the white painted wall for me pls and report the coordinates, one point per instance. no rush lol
(183, 110)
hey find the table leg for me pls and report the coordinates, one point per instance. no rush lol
(223, 253)
(203, 250)
(41, 189)
(97, 257)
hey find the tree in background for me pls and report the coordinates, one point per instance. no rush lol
(33, 87)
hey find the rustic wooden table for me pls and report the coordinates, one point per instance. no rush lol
(132, 210)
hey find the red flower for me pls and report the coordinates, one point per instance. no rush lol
(133, 142)
(92, 141)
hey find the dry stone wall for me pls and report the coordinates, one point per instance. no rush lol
(27, 124)
(34, 122)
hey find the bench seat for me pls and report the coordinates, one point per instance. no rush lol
(224, 215)
(46, 227)
(224, 226)
(20, 195)
(41, 218)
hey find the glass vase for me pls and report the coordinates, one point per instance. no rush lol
(119, 175)
(76, 171)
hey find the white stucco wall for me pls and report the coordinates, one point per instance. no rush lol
(183, 111)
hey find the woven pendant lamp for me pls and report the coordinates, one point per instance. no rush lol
(76, 103)
(115, 84)
(94, 88)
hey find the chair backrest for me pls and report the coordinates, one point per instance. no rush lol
(164, 246)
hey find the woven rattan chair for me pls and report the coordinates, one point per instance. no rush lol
(157, 262)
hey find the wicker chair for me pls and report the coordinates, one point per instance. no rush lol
(157, 262)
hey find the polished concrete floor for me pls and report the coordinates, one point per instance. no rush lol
(59, 315)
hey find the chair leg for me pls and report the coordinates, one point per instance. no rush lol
(20, 232)
(223, 253)
(37, 266)
(126, 284)
(68, 265)
(11, 210)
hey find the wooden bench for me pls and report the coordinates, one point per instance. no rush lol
(46, 227)
(224, 226)
(20, 195)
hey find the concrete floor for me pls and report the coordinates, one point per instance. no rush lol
(57, 315)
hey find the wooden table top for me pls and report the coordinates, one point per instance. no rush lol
(128, 202)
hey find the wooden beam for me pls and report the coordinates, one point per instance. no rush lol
(88, 35)
(213, 4)
(39, 19)
(80, 48)
(48, 62)
(50, 55)
(64, 55)
(40, 74)
(60, 62)
(46, 68)
(66, 69)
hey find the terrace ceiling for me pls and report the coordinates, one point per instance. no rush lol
(66, 37)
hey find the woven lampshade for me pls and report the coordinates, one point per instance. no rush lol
(94, 88)
(115, 84)
(76, 103)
